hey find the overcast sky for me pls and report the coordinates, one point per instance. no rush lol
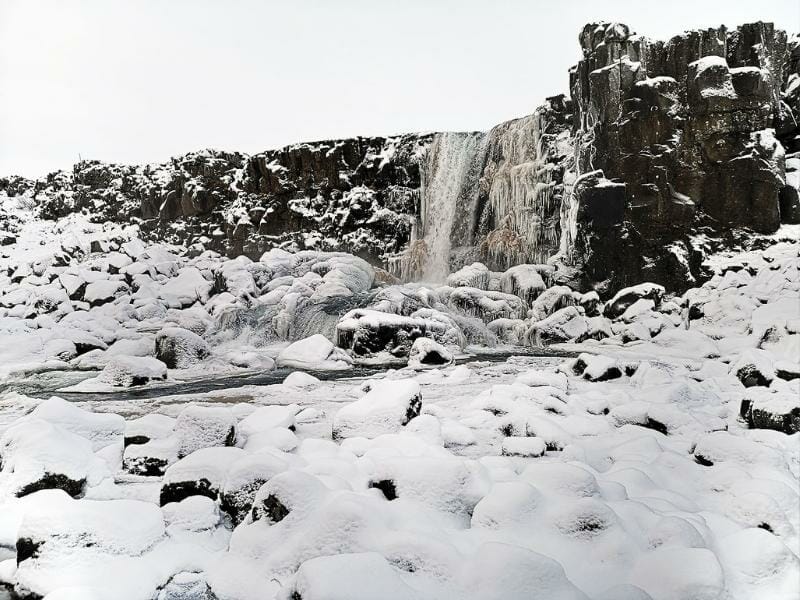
(140, 81)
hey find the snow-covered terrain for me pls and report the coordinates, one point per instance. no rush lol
(658, 458)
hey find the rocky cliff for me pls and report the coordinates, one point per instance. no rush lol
(661, 150)
(675, 143)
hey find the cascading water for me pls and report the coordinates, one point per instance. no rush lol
(487, 197)
(450, 177)
(521, 194)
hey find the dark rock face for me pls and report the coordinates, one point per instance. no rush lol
(355, 195)
(681, 134)
(55, 481)
(180, 490)
(271, 508)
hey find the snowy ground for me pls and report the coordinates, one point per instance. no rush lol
(663, 462)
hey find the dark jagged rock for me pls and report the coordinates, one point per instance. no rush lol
(682, 133)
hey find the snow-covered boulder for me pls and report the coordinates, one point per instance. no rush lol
(152, 426)
(626, 297)
(596, 368)
(486, 305)
(128, 371)
(773, 409)
(551, 300)
(101, 429)
(427, 354)
(151, 458)
(449, 485)
(316, 352)
(362, 576)
(366, 332)
(754, 368)
(298, 379)
(291, 491)
(475, 275)
(38, 455)
(245, 477)
(180, 348)
(387, 407)
(528, 447)
(524, 281)
(563, 325)
(203, 427)
(202, 473)
(62, 542)
(187, 288)
(99, 292)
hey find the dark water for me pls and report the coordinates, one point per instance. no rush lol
(45, 384)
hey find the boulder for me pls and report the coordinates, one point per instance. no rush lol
(475, 275)
(626, 297)
(38, 455)
(316, 353)
(204, 427)
(180, 348)
(563, 325)
(245, 478)
(367, 332)
(427, 354)
(129, 371)
(386, 408)
(202, 473)
(754, 368)
(771, 409)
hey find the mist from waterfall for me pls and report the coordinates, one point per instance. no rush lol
(450, 177)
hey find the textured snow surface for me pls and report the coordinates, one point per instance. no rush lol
(661, 460)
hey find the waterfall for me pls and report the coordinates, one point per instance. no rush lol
(484, 196)
(450, 176)
(521, 194)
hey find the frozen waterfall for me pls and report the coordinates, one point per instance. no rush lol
(521, 194)
(486, 197)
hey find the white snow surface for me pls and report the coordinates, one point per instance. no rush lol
(517, 478)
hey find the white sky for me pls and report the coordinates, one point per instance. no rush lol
(142, 80)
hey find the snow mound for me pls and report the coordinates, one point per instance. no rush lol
(387, 407)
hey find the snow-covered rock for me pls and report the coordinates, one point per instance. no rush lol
(202, 473)
(388, 406)
(316, 353)
(127, 371)
(426, 354)
(203, 427)
(180, 348)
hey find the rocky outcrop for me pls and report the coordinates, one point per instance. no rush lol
(358, 195)
(673, 139)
